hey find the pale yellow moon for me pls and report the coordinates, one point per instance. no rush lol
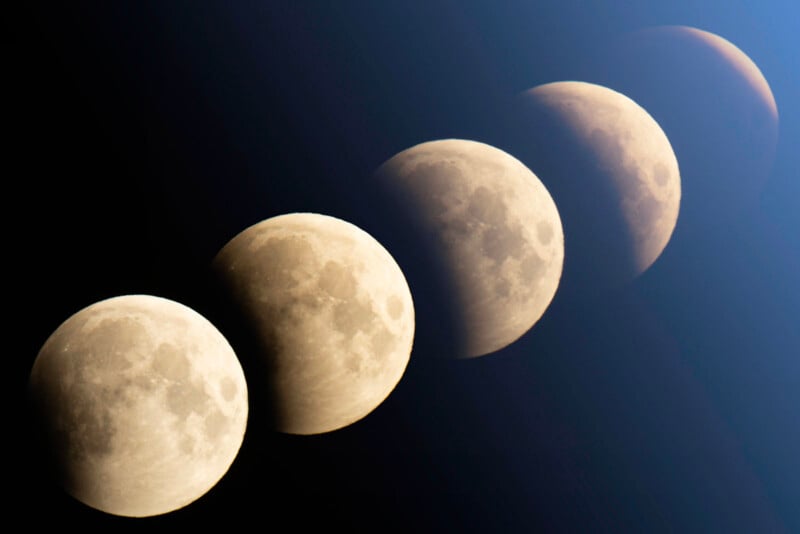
(332, 314)
(612, 171)
(497, 227)
(142, 402)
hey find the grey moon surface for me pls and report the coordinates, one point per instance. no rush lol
(144, 404)
(631, 161)
(332, 314)
(498, 229)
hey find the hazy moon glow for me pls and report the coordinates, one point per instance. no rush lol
(331, 310)
(143, 402)
(735, 57)
(715, 105)
(624, 202)
(498, 229)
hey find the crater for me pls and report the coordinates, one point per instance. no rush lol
(394, 306)
(87, 430)
(215, 425)
(228, 388)
(337, 281)
(531, 269)
(276, 261)
(501, 242)
(382, 342)
(352, 316)
(111, 341)
(171, 362)
(661, 174)
(185, 398)
(487, 207)
(544, 230)
(187, 445)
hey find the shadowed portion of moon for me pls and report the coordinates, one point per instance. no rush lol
(714, 104)
(612, 173)
(497, 229)
(327, 310)
(142, 404)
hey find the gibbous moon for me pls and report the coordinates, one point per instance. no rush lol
(613, 175)
(497, 227)
(331, 312)
(714, 104)
(142, 402)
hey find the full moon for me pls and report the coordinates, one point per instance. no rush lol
(612, 172)
(142, 404)
(331, 313)
(497, 227)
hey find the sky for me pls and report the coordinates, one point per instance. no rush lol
(145, 135)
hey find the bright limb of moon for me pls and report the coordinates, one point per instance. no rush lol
(142, 402)
(734, 56)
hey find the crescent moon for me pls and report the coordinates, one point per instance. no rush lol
(613, 174)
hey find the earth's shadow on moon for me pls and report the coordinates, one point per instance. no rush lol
(439, 321)
(253, 351)
(599, 246)
(722, 127)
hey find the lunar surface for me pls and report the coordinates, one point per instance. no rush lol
(331, 312)
(497, 227)
(142, 402)
(714, 104)
(612, 172)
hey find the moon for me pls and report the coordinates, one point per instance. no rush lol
(716, 107)
(331, 312)
(497, 227)
(613, 174)
(142, 403)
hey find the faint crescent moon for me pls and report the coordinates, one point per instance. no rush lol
(735, 57)
(142, 402)
(331, 312)
(715, 105)
(497, 227)
(612, 172)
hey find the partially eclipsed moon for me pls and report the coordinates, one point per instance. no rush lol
(715, 105)
(497, 227)
(331, 312)
(143, 404)
(612, 172)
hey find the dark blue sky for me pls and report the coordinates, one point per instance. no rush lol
(147, 134)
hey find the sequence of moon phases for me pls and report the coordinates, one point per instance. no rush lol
(142, 403)
(613, 175)
(497, 227)
(331, 313)
(714, 104)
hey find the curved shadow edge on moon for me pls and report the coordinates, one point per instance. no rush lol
(495, 227)
(328, 313)
(716, 107)
(613, 175)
